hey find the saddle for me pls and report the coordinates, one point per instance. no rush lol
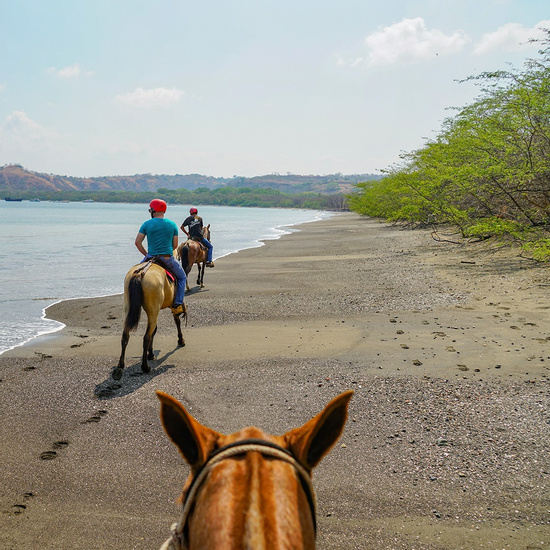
(199, 241)
(142, 269)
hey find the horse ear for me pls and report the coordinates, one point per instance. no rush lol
(310, 443)
(194, 441)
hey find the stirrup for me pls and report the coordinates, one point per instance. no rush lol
(179, 309)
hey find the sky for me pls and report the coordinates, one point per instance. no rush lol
(243, 87)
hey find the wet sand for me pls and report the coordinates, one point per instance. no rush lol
(446, 346)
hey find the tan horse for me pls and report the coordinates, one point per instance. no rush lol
(148, 287)
(191, 252)
(249, 489)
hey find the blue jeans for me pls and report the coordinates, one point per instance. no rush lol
(208, 245)
(181, 277)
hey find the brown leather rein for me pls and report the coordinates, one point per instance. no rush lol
(178, 539)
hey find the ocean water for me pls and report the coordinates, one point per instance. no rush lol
(53, 251)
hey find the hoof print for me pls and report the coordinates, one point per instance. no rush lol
(18, 508)
(60, 444)
(48, 455)
(29, 368)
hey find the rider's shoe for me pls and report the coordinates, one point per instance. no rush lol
(178, 309)
(209, 264)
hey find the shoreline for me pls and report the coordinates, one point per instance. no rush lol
(439, 342)
(283, 229)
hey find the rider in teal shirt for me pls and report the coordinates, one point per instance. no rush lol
(162, 240)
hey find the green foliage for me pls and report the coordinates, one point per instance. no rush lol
(225, 196)
(539, 250)
(487, 171)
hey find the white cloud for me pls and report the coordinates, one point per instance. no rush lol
(72, 71)
(157, 97)
(2, 87)
(19, 126)
(410, 39)
(510, 37)
(352, 62)
(23, 138)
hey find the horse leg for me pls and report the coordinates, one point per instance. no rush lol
(150, 354)
(202, 268)
(148, 347)
(181, 341)
(117, 372)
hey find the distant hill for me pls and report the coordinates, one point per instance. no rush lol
(16, 180)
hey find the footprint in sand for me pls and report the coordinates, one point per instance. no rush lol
(20, 508)
(96, 417)
(50, 455)
(109, 390)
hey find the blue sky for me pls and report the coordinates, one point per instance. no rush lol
(243, 87)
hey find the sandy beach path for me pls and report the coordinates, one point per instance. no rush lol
(446, 347)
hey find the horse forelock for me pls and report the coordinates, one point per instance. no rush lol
(252, 501)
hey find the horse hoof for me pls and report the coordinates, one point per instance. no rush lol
(181, 344)
(117, 373)
(146, 368)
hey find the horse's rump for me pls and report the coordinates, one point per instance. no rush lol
(188, 252)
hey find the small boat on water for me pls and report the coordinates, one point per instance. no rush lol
(34, 200)
(10, 199)
(88, 200)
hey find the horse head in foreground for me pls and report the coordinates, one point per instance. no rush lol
(249, 489)
(147, 286)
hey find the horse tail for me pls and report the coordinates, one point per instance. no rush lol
(135, 300)
(184, 257)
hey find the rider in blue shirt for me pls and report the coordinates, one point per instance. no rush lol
(162, 240)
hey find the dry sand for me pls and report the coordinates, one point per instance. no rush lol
(447, 348)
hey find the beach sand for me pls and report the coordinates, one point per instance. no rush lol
(446, 345)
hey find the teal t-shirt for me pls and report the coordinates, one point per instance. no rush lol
(159, 233)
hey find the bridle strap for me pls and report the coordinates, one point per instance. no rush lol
(178, 541)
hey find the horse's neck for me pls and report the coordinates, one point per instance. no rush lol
(252, 502)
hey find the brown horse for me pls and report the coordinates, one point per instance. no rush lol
(148, 286)
(249, 489)
(192, 252)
